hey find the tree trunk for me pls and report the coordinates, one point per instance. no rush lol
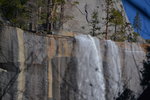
(48, 26)
(107, 18)
(106, 36)
(115, 28)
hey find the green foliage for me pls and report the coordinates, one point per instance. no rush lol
(119, 36)
(109, 4)
(146, 70)
(30, 15)
(11, 8)
(75, 3)
(116, 17)
(41, 3)
(95, 29)
(137, 22)
(117, 20)
(67, 17)
(59, 1)
(132, 37)
(14, 11)
(42, 18)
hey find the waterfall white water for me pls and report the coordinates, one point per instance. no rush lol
(91, 84)
(113, 70)
(64, 68)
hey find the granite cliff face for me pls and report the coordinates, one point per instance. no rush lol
(78, 67)
(81, 14)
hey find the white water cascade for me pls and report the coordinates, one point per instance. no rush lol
(113, 70)
(67, 68)
(94, 78)
(90, 75)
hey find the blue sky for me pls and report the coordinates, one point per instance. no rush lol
(143, 8)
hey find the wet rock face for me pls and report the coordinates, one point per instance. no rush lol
(35, 67)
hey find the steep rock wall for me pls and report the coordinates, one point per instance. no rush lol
(66, 68)
(81, 14)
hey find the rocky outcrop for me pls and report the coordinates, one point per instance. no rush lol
(77, 67)
(81, 14)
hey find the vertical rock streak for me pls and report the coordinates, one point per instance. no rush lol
(51, 53)
(21, 60)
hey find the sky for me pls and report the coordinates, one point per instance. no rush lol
(143, 8)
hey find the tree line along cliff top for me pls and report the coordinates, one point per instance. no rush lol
(47, 16)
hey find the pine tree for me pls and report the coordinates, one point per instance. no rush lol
(48, 16)
(14, 11)
(52, 14)
(95, 29)
(132, 37)
(137, 23)
(116, 18)
(109, 4)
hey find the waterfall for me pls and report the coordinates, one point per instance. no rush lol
(68, 68)
(90, 76)
(113, 71)
(91, 80)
